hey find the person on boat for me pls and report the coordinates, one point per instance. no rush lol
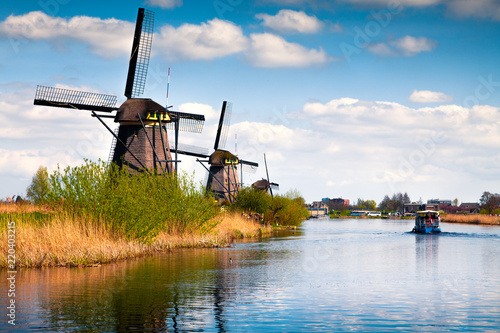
(428, 219)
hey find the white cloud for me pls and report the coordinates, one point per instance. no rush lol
(208, 111)
(111, 38)
(405, 46)
(290, 21)
(35, 135)
(426, 96)
(381, 49)
(268, 50)
(476, 8)
(413, 45)
(166, 4)
(405, 148)
(107, 38)
(489, 9)
(371, 148)
(206, 41)
(214, 39)
(392, 3)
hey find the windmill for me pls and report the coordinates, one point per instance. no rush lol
(223, 178)
(142, 140)
(265, 184)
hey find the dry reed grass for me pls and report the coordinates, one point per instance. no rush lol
(67, 242)
(473, 218)
(22, 208)
(237, 226)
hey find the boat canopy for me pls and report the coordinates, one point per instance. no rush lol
(425, 212)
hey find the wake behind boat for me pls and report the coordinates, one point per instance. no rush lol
(427, 222)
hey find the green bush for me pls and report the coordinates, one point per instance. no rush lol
(288, 209)
(252, 200)
(137, 206)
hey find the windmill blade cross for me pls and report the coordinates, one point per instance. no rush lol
(141, 51)
(74, 99)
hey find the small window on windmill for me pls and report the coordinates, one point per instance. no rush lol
(231, 161)
(158, 115)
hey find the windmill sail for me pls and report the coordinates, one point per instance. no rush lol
(222, 130)
(190, 150)
(188, 122)
(74, 99)
(141, 51)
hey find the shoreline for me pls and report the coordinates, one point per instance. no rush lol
(62, 241)
(476, 219)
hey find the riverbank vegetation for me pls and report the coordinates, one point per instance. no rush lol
(286, 210)
(95, 214)
(471, 218)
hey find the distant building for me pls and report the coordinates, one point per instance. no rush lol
(336, 204)
(413, 208)
(439, 201)
(471, 207)
(317, 208)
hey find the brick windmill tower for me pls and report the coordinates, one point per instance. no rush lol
(142, 141)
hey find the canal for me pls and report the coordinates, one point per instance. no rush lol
(329, 276)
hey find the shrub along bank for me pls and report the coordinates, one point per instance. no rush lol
(95, 213)
(288, 209)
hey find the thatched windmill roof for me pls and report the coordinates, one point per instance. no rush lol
(219, 157)
(130, 108)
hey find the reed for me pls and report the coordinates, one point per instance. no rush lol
(67, 241)
(472, 218)
(237, 226)
(6, 208)
(95, 214)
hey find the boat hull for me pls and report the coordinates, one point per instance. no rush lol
(427, 230)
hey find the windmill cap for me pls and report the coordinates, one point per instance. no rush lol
(220, 156)
(131, 107)
(261, 184)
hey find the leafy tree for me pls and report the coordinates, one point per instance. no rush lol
(252, 200)
(371, 204)
(455, 202)
(40, 187)
(396, 202)
(489, 201)
(366, 204)
(289, 209)
(386, 204)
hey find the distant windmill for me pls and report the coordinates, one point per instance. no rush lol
(265, 184)
(223, 177)
(142, 140)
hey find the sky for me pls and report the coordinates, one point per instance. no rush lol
(347, 98)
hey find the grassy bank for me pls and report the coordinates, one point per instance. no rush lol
(472, 219)
(98, 213)
(48, 238)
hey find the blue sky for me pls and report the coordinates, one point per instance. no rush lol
(348, 98)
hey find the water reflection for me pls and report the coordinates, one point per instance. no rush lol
(427, 255)
(337, 276)
(152, 294)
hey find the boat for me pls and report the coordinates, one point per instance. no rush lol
(427, 222)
